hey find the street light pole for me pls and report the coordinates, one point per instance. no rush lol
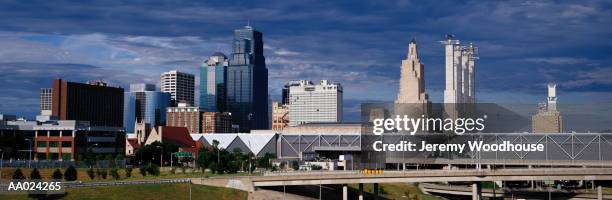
(161, 157)
(30, 161)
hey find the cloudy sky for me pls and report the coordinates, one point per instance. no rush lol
(523, 44)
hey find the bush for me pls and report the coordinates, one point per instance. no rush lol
(173, 170)
(153, 169)
(295, 165)
(91, 173)
(101, 173)
(183, 169)
(142, 170)
(232, 167)
(70, 174)
(128, 172)
(57, 174)
(18, 175)
(316, 167)
(114, 173)
(35, 174)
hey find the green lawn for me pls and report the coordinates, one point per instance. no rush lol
(163, 191)
(6, 173)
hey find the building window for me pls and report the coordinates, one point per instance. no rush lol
(66, 144)
(41, 144)
(53, 144)
(65, 156)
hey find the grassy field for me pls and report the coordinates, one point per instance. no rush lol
(397, 191)
(6, 173)
(164, 191)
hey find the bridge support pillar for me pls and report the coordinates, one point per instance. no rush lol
(375, 191)
(344, 192)
(360, 191)
(476, 191)
(599, 193)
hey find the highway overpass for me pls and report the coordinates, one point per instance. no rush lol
(421, 176)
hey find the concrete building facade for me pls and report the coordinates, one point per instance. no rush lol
(280, 116)
(181, 86)
(548, 118)
(216, 122)
(309, 103)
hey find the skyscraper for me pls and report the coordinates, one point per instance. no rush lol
(46, 95)
(412, 80)
(181, 86)
(247, 81)
(213, 83)
(144, 105)
(309, 103)
(95, 102)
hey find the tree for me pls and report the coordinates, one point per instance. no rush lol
(111, 161)
(70, 174)
(153, 169)
(35, 174)
(91, 173)
(232, 167)
(114, 173)
(128, 172)
(18, 175)
(57, 174)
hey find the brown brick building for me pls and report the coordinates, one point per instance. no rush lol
(96, 102)
(216, 122)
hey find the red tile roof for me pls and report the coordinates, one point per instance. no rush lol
(177, 135)
(134, 142)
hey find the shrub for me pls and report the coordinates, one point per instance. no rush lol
(183, 169)
(142, 170)
(128, 172)
(57, 174)
(173, 170)
(104, 173)
(153, 169)
(316, 167)
(114, 173)
(35, 174)
(91, 173)
(295, 165)
(18, 175)
(70, 174)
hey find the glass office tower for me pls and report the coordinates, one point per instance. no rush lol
(143, 104)
(213, 83)
(247, 81)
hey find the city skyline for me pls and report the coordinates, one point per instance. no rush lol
(524, 46)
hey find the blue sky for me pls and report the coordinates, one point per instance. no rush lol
(523, 44)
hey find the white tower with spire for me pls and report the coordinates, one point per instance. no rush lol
(460, 77)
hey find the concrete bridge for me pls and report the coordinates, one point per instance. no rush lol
(249, 183)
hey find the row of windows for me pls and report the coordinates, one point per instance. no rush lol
(53, 144)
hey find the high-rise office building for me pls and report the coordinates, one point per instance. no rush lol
(213, 83)
(181, 86)
(46, 95)
(144, 104)
(548, 119)
(247, 81)
(95, 102)
(309, 103)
